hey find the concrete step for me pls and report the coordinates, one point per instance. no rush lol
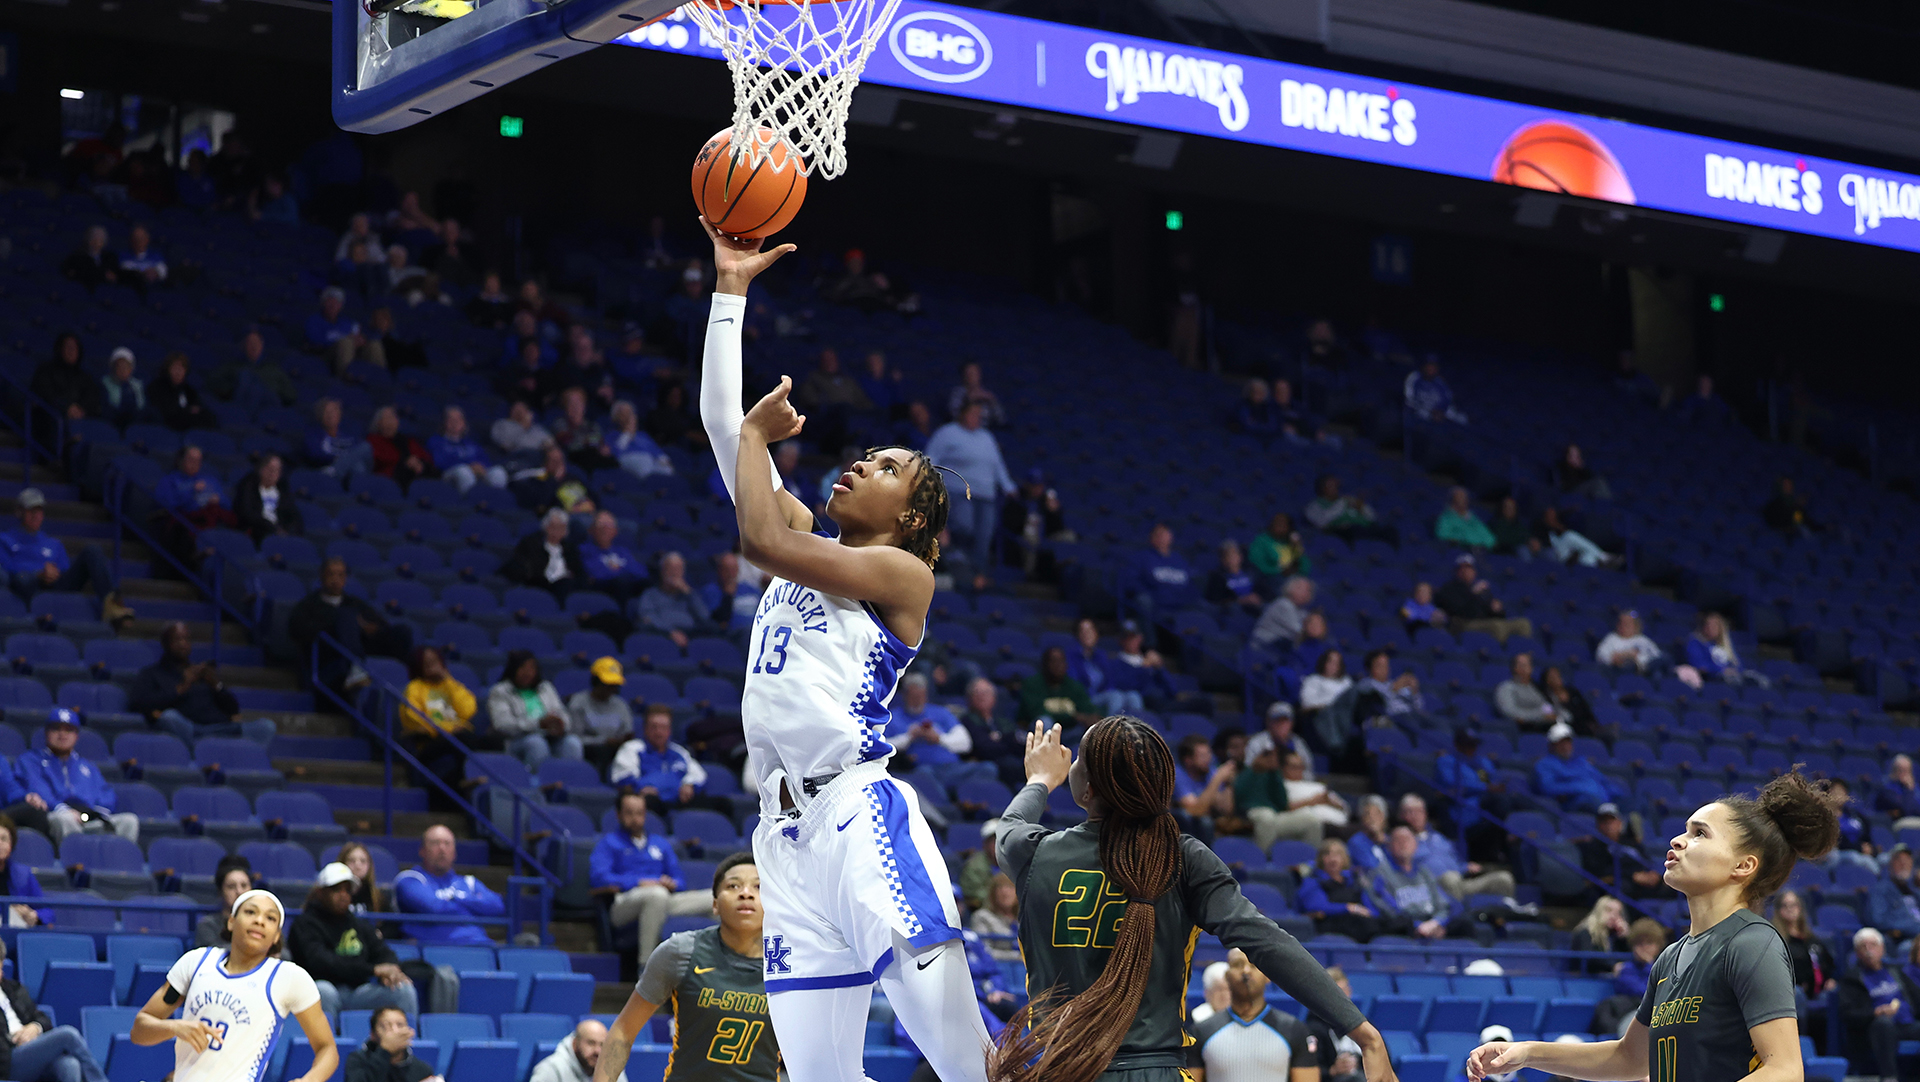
(408, 824)
(610, 997)
(306, 722)
(575, 937)
(340, 772)
(158, 589)
(148, 627)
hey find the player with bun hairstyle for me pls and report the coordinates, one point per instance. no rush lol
(1719, 1004)
(853, 883)
(1110, 911)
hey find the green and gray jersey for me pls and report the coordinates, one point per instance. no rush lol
(1070, 915)
(718, 998)
(1707, 991)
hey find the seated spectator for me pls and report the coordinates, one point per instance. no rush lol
(1323, 347)
(64, 385)
(1570, 546)
(432, 887)
(93, 263)
(1409, 898)
(1877, 1000)
(1572, 781)
(461, 461)
(998, 737)
(1399, 695)
(611, 567)
(933, 736)
(1893, 905)
(398, 456)
(188, 699)
(1349, 518)
(1646, 939)
(140, 265)
(336, 336)
(123, 398)
(1468, 601)
(1627, 646)
(1051, 695)
(577, 1057)
(1419, 610)
(36, 1050)
(1279, 625)
(1201, 790)
(361, 272)
(1139, 670)
(387, 1055)
(1298, 426)
(1613, 858)
(1260, 794)
(600, 717)
(527, 379)
(1233, 583)
(972, 389)
(1215, 996)
(351, 965)
(554, 486)
(833, 396)
(271, 202)
(1458, 525)
(1278, 552)
(1603, 930)
(19, 881)
(980, 866)
(1787, 511)
(360, 231)
(652, 764)
(253, 377)
(78, 800)
(36, 560)
(916, 428)
(1427, 395)
(1468, 778)
(401, 271)
(1335, 896)
(641, 876)
(1511, 534)
(670, 606)
(1570, 703)
(1856, 844)
(1573, 475)
(232, 877)
(1257, 415)
(1518, 700)
(519, 436)
(1703, 408)
(998, 920)
(733, 597)
(491, 307)
(1162, 579)
(332, 451)
(399, 352)
(527, 713)
(367, 896)
(436, 706)
(670, 423)
(177, 402)
(579, 435)
(1315, 639)
(1897, 794)
(354, 624)
(1091, 666)
(548, 558)
(263, 509)
(1435, 853)
(1368, 845)
(1327, 682)
(1279, 733)
(1710, 651)
(1314, 796)
(633, 449)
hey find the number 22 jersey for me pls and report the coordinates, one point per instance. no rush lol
(246, 1011)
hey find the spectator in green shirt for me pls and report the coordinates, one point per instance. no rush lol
(1458, 524)
(1260, 794)
(1278, 553)
(1055, 696)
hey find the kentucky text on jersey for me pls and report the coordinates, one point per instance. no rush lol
(227, 1001)
(808, 611)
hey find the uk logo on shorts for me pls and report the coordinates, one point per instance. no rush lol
(777, 954)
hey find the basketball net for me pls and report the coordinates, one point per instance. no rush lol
(794, 66)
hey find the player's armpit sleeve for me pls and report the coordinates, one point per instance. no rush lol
(720, 412)
(1020, 830)
(293, 989)
(665, 967)
(1760, 975)
(1217, 906)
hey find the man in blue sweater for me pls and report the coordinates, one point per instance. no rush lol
(458, 457)
(36, 561)
(1162, 581)
(434, 887)
(612, 568)
(1893, 905)
(1572, 780)
(642, 876)
(1429, 397)
(966, 447)
(77, 798)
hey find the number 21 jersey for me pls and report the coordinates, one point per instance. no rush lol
(246, 1011)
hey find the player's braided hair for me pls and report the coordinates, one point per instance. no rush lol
(928, 499)
(1130, 770)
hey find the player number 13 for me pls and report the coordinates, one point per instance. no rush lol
(779, 637)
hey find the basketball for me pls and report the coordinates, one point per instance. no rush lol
(1557, 157)
(743, 199)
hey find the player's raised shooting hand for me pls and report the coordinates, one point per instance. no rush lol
(737, 262)
(774, 417)
(1047, 762)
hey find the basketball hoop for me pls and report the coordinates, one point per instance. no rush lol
(795, 64)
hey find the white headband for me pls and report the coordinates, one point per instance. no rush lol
(267, 894)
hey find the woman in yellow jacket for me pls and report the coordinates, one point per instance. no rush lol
(438, 704)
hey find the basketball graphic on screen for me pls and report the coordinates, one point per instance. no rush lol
(1555, 156)
(744, 198)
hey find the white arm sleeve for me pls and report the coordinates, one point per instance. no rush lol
(720, 411)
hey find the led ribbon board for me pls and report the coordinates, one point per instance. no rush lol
(1067, 69)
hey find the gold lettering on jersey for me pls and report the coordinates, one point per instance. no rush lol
(1678, 1012)
(726, 999)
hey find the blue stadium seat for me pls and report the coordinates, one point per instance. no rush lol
(33, 951)
(125, 953)
(449, 1028)
(570, 994)
(302, 818)
(300, 1061)
(69, 986)
(1456, 1014)
(282, 864)
(129, 1062)
(99, 1024)
(482, 1061)
(524, 963)
(459, 957)
(1399, 1012)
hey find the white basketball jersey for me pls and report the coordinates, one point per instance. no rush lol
(245, 1009)
(820, 672)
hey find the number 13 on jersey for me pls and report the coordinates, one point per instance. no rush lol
(774, 660)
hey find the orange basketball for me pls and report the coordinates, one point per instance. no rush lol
(744, 199)
(1555, 156)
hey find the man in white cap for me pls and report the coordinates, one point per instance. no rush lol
(1572, 779)
(36, 560)
(353, 968)
(1280, 735)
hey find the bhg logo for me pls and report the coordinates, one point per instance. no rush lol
(940, 48)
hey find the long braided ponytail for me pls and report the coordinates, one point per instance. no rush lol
(1130, 770)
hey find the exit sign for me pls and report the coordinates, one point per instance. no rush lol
(512, 126)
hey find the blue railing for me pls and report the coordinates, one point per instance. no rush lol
(210, 579)
(513, 919)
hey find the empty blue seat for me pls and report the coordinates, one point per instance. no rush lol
(570, 994)
(125, 953)
(525, 962)
(451, 1028)
(33, 951)
(1398, 1012)
(1456, 1014)
(70, 986)
(482, 1061)
(99, 1024)
(129, 1062)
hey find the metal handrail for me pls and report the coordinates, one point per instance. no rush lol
(148, 903)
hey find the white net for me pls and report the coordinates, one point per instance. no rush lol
(794, 65)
